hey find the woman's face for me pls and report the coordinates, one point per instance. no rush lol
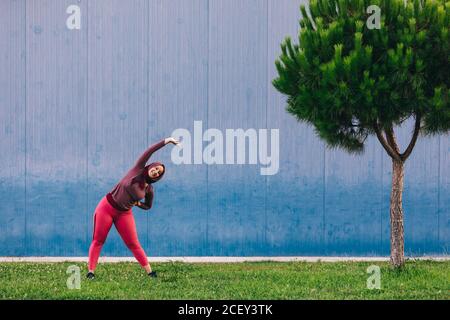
(155, 172)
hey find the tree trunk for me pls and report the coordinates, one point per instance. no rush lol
(396, 210)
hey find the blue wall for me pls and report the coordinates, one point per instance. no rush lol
(78, 106)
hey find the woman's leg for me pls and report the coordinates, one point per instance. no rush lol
(127, 229)
(102, 224)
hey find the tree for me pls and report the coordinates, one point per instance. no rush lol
(351, 81)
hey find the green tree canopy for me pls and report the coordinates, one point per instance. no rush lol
(350, 81)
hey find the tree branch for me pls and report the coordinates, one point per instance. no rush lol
(413, 141)
(390, 136)
(385, 145)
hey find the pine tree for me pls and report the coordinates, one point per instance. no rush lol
(351, 81)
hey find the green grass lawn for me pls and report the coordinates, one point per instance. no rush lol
(252, 280)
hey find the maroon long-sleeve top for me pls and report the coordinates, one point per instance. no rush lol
(131, 188)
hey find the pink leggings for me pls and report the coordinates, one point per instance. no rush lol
(105, 215)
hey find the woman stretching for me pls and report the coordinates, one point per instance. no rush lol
(116, 206)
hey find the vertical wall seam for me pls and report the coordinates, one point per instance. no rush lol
(439, 194)
(148, 97)
(207, 116)
(382, 200)
(323, 197)
(26, 108)
(87, 123)
(267, 107)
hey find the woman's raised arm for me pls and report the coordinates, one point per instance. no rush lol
(142, 160)
(140, 163)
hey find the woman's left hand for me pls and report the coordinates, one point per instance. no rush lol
(172, 140)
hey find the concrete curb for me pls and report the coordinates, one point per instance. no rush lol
(217, 259)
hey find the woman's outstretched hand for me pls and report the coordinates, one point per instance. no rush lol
(172, 140)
